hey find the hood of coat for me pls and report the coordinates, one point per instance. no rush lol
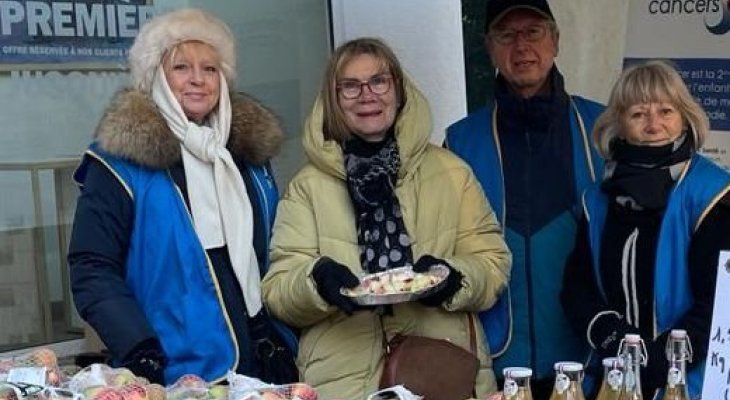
(133, 128)
(412, 131)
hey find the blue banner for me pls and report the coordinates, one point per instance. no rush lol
(61, 32)
(708, 79)
(695, 36)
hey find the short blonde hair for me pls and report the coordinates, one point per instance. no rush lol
(653, 81)
(335, 125)
(165, 32)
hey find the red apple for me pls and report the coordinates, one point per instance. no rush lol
(108, 393)
(302, 391)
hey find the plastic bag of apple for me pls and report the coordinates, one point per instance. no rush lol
(246, 388)
(42, 364)
(37, 375)
(30, 374)
(101, 382)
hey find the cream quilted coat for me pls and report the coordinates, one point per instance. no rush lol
(446, 216)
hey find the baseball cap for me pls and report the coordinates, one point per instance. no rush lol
(496, 9)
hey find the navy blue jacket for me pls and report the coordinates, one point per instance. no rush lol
(105, 222)
(533, 158)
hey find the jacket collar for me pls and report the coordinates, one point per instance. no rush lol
(412, 131)
(537, 113)
(133, 128)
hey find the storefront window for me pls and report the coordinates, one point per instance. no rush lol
(48, 114)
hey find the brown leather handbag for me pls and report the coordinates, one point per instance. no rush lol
(433, 368)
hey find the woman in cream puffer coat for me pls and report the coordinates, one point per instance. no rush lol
(444, 213)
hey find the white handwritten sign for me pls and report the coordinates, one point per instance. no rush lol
(717, 368)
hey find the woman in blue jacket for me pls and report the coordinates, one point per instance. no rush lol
(647, 249)
(177, 199)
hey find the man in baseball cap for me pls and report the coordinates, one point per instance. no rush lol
(496, 9)
(530, 152)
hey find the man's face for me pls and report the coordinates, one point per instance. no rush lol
(523, 46)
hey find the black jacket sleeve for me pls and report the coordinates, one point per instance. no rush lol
(97, 255)
(704, 252)
(591, 317)
(710, 238)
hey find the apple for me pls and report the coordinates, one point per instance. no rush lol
(302, 391)
(155, 392)
(271, 395)
(121, 377)
(108, 393)
(133, 391)
(53, 376)
(191, 381)
(7, 393)
(90, 392)
(218, 392)
(44, 357)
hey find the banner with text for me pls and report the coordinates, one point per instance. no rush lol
(694, 36)
(55, 33)
(717, 369)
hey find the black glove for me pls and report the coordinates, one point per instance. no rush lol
(452, 285)
(606, 333)
(654, 375)
(331, 276)
(147, 359)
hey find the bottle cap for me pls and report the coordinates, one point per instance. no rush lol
(613, 362)
(517, 372)
(632, 338)
(678, 333)
(568, 366)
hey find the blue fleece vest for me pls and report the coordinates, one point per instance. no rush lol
(474, 139)
(703, 184)
(170, 274)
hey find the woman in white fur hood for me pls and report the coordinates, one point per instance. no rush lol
(172, 227)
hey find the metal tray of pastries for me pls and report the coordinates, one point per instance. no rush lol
(397, 285)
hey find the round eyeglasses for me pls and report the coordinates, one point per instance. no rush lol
(532, 34)
(352, 88)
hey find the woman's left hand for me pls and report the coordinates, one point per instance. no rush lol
(452, 285)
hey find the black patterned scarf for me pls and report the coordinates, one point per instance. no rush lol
(641, 177)
(372, 171)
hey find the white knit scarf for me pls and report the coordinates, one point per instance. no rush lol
(219, 203)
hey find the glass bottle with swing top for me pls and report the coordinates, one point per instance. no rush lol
(568, 378)
(633, 354)
(679, 352)
(517, 383)
(613, 378)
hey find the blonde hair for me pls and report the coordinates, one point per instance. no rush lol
(653, 81)
(165, 32)
(335, 125)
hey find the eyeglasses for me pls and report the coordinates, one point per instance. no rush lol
(532, 34)
(352, 89)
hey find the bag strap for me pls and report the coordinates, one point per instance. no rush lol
(472, 345)
(379, 311)
(472, 334)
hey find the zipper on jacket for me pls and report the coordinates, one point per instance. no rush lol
(264, 201)
(528, 260)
